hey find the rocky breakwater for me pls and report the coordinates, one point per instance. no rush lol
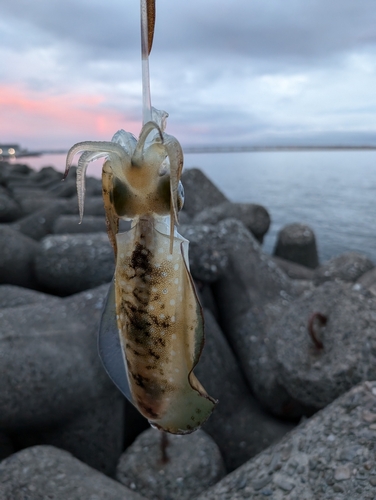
(283, 341)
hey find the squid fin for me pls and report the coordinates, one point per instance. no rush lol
(109, 347)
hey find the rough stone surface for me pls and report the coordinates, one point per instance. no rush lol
(329, 457)
(9, 209)
(40, 223)
(68, 264)
(16, 258)
(368, 280)
(239, 426)
(293, 270)
(69, 224)
(194, 464)
(316, 376)
(200, 192)
(45, 472)
(207, 259)
(347, 267)
(14, 296)
(297, 243)
(255, 217)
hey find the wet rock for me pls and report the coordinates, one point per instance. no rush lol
(68, 264)
(347, 267)
(239, 426)
(9, 209)
(315, 372)
(43, 472)
(200, 192)
(193, 464)
(39, 224)
(293, 270)
(330, 456)
(297, 243)
(255, 217)
(14, 296)
(207, 258)
(17, 253)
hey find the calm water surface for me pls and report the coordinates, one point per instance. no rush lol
(333, 192)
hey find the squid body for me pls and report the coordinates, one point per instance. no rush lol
(152, 330)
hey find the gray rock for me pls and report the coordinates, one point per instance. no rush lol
(251, 293)
(255, 217)
(54, 389)
(293, 270)
(30, 205)
(70, 224)
(200, 192)
(94, 436)
(207, 258)
(9, 209)
(368, 280)
(239, 426)
(315, 375)
(39, 224)
(50, 367)
(17, 253)
(68, 264)
(30, 192)
(330, 456)
(93, 206)
(297, 243)
(14, 296)
(45, 174)
(348, 266)
(44, 472)
(193, 464)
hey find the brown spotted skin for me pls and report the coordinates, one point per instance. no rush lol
(161, 329)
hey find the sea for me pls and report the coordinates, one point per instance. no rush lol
(334, 192)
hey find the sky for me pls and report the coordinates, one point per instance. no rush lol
(230, 72)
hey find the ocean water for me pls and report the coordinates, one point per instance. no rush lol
(334, 192)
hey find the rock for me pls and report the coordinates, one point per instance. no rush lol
(30, 192)
(250, 294)
(9, 209)
(14, 296)
(46, 174)
(239, 426)
(200, 192)
(32, 204)
(193, 464)
(68, 264)
(293, 270)
(348, 266)
(297, 243)
(94, 436)
(207, 259)
(315, 375)
(330, 456)
(93, 206)
(17, 253)
(43, 472)
(70, 224)
(54, 389)
(368, 281)
(39, 224)
(255, 217)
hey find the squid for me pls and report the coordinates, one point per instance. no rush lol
(152, 329)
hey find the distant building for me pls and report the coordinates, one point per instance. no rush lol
(8, 151)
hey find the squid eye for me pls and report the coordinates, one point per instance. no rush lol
(180, 196)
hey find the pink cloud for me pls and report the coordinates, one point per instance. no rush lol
(37, 120)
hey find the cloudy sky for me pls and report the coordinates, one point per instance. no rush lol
(235, 71)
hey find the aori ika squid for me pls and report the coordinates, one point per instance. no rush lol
(152, 328)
